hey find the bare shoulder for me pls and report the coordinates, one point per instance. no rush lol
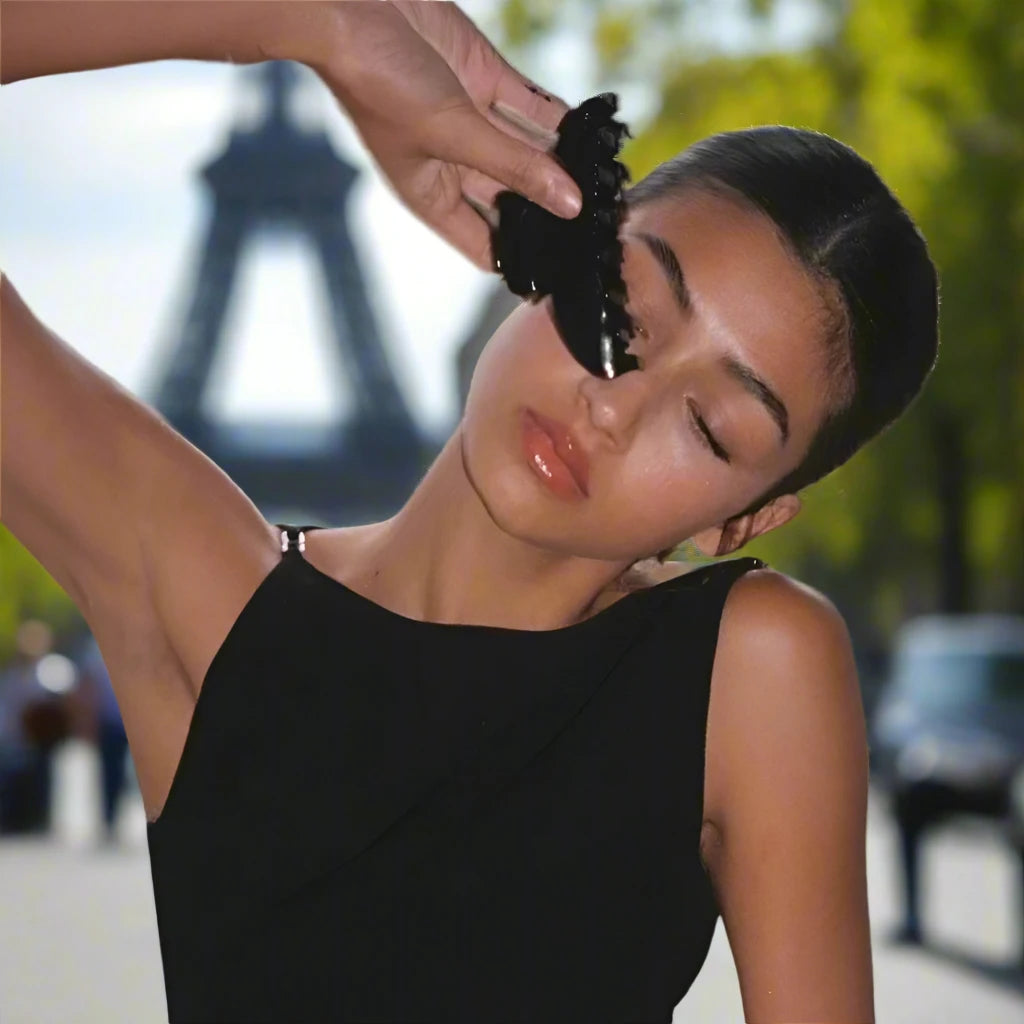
(784, 607)
(783, 672)
(204, 550)
(785, 802)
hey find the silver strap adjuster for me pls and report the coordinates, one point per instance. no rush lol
(286, 540)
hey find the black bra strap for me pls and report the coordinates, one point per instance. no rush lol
(293, 537)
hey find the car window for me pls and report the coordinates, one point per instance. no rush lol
(954, 678)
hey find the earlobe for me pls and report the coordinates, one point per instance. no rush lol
(709, 542)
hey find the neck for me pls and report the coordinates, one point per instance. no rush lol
(443, 558)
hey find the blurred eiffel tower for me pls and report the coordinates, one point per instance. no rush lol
(280, 175)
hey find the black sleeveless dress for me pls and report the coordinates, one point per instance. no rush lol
(381, 819)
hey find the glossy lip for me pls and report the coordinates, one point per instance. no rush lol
(566, 448)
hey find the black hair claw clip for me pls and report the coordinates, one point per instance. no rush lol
(577, 262)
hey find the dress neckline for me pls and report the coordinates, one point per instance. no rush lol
(635, 598)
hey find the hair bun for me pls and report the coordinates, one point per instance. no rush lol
(577, 262)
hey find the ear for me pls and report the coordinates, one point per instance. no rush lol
(734, 533)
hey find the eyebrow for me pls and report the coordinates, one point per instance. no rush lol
(761, 391)
(739, 371)
(666, 257)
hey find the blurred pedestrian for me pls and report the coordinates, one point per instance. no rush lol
(33, 719)
(106, 728)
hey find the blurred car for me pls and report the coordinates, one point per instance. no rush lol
(948, 729)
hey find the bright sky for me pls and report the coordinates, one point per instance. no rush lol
(101, 212)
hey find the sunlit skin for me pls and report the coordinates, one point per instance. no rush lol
(483, 541)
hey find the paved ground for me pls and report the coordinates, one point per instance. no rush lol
(78, 940)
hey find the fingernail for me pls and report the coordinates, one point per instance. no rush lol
(569, 203)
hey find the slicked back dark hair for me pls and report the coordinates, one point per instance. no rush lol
(850, 232)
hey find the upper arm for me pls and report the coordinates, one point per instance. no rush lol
(70, 439)
(787, 775)
(142, 530)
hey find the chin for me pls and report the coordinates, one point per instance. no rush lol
(516, 503)
(503, 487)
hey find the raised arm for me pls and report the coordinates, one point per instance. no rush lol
(155, 544)
(151, 540)
(49, 37)
(91, 481)
(784, 840)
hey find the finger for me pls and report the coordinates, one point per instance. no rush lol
(511, 122)
(534, 103)
(482, 190)
(467, 230)
(442, 21)
(485, 210)
(475, 143)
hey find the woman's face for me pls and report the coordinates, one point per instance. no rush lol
(734, 348)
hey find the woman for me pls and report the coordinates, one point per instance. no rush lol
(488, 759)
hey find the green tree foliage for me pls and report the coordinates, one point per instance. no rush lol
(27, 591)
(932, 92)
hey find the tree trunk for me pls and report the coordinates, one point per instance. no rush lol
(951, 488)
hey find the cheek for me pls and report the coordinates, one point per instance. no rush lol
(665, 487)
(658, 482)
(522, 361)
(520, 365)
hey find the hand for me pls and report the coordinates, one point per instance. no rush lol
(508, 99)
(448, 121)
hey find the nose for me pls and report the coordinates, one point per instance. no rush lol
(614, 405)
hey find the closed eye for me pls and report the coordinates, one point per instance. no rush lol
(701, 429)
(637, 322)
(707, 438)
